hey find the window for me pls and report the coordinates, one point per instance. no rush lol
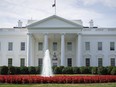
(54, 46)
(69, 62)
(9, 61)
(10, 46)
(87, 61)
(40, 62)
(87, 46)
(69, 46)
(22, 62)
(112, 61)
(22, 46)
(40, 46)
(99, 45)
(112, 46)
(100, 62)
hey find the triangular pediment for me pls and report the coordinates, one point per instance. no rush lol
(54, 22)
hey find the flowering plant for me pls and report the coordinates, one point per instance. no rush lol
(23, 79)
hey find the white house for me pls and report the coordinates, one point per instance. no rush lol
(69, 42)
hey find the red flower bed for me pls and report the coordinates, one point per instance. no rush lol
(17, 79)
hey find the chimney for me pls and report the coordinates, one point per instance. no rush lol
(19, 23)
(91, 23)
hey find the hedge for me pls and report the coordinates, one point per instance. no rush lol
(5, 70)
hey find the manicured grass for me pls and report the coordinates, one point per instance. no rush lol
(61, 85)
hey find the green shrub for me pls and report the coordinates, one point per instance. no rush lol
(53, 67)
(113, 72)
(57, 70)
(94, 70)
(76, 70)
(85, 70)
(4, 70)
(60, 69)
(67, 70)
(32, 70)
(102, 70)
(109, 69)
(24, 70)
(17, 70)
(38, 70)
(11, 70)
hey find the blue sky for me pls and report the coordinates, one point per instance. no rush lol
(103, 12)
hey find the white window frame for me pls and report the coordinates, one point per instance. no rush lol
(100, 61)
(55, 46)
(87, 46)
(22, 62)
(10, 46)
(99, 46)
(112, 46)
(69, 46)
(112, 61)
(10, 61)
(22, 46)
(40, 62)
(40, 46)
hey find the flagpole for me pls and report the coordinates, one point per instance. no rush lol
(55, 6)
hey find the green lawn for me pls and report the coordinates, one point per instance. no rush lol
(61, 85)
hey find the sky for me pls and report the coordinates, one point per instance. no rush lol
(102, 12)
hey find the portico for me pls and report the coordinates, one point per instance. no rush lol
(55, 34)
(58, 45)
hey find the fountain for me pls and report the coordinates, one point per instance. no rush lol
(47, 68)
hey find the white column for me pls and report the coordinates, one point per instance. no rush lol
(29, 54)
(79, 57)
(62, 50)
(45, 42)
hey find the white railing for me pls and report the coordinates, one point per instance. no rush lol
(99, 29)
(12, 30)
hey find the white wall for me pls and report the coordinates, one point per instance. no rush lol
(16, 54)
(106, 54)
(90, 35)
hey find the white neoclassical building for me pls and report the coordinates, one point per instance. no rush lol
(69, 43)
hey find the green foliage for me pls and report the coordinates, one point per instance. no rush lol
(24, 70)
(94, 70)
(38, 70)
(67, 70)
(11, 70)
(102, 70)
(109, 69)
(17, 70)
(61, 68)
(58, 70)
(76, 70)
(85, 70)
(113, 72)
(4, 70)
(32, 70)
